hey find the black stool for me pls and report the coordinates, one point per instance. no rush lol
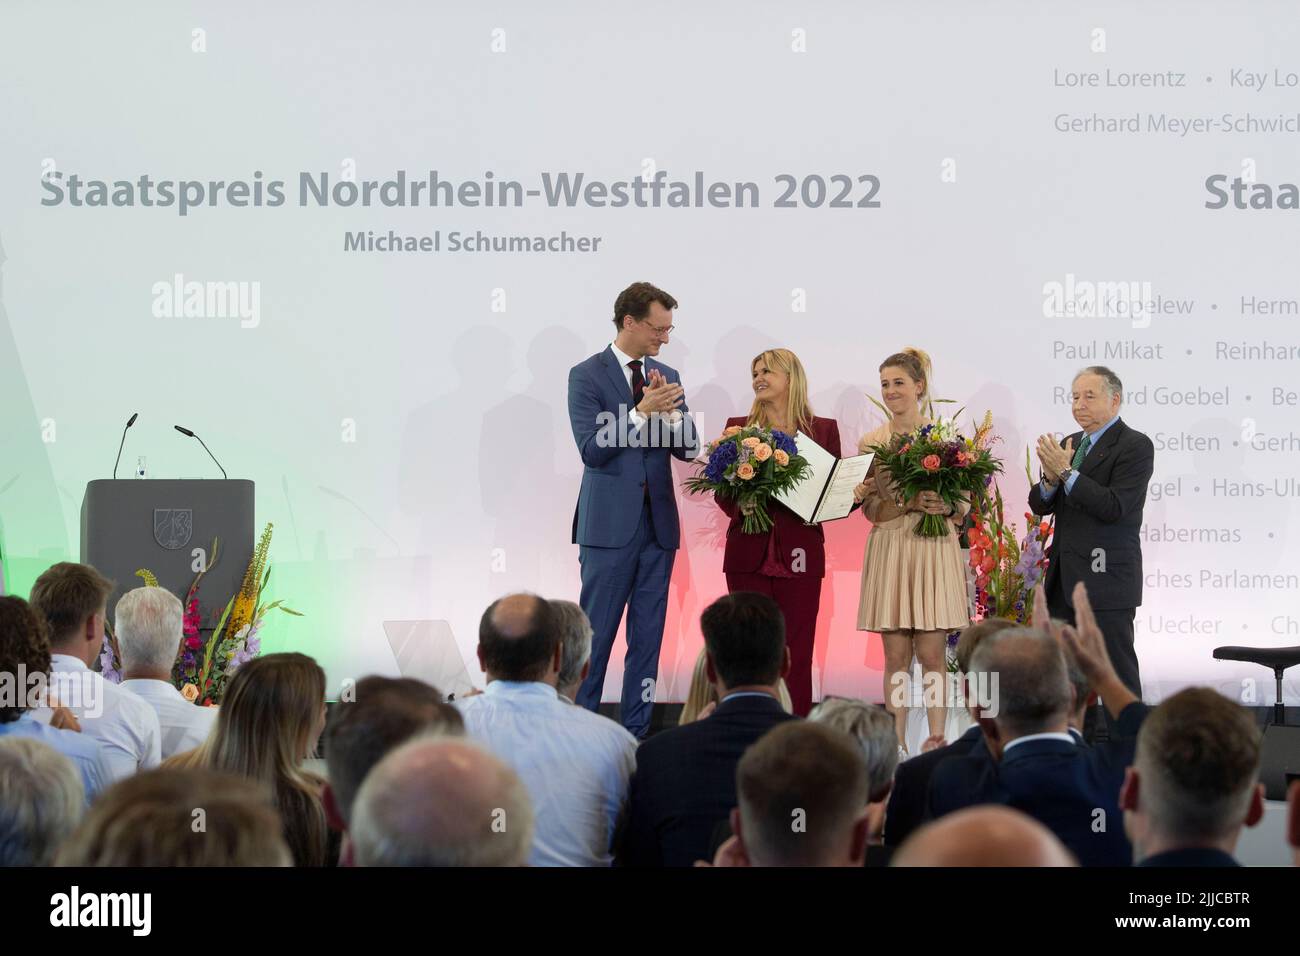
(1280, 751)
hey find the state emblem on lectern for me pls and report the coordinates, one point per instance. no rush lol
(172, 527)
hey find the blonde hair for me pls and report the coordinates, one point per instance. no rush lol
(263, 729)
(798, 413)
(702, 693)
(916, 364)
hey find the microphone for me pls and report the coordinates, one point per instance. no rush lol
(190, 434)
(134, 416)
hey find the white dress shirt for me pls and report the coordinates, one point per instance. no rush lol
(1068, 738)
(184, 725)
(126, 725)
(635, 417)
(576, 766)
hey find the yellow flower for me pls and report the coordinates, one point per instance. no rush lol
(190, 693)
(745, 471)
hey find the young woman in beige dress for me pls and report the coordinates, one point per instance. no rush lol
(913, 588)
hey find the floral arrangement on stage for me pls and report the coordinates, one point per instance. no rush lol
(203, 668)
(749, 465)
(1007, 567)
(938, 458)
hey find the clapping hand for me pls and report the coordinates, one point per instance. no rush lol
(1052, 457)
(660, 395)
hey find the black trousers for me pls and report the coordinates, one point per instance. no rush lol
(1117, 631)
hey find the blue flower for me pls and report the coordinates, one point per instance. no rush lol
(720, 459)
(784, 442)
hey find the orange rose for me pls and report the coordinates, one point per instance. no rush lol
(753, 441)
(732, 430)
(763, 451)
(781, 457)
(930, 462)
(190, 693)
(745, 471)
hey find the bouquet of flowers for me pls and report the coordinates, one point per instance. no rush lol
(203, 668)
(938, 458)
(749, 465)
(1007, 567)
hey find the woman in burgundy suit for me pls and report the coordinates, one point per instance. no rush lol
(788, 562)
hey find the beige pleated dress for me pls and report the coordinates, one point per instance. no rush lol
(909, 582)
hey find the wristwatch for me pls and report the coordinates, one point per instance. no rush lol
(1064, 476)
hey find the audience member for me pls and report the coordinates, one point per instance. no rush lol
(803, 791)
(984, 836)
(574, 763)
(906, 808)
(1194, 782)
(25, 661)
(268, 723)
(381, 714)
(150, 628)
(702, 695)
(152, 819)
(41, 800)
(1040, 769)
(873, 728)
(73, 600)
(575, 636)
(685, 781)
(442, 802)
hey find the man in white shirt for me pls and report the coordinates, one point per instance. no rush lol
(150, 628)
(73, 600)
(575, 764)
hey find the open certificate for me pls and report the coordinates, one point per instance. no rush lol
(826, 493)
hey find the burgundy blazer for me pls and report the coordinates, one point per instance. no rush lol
(745, 552)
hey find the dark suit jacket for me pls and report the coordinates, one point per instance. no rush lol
(1192, 856)
(906, 808)
(1103, 510)
(685, 782)
(1072, 790)
(616, 473)
(745, 552)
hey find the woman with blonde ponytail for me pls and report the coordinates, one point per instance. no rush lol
(913, 588)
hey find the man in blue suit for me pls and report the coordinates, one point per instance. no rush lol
(1039, 767)
(629, 416)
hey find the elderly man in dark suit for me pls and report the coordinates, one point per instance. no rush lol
(685, 780)
(1095, 482)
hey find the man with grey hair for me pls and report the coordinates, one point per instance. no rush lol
(41, 800)
(873, 729)
(442, 801)
(1194, 782)
(575, 640)
(1095, 482)
(1039, 768)
(149, 634)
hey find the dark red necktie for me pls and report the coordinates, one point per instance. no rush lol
(638, 381)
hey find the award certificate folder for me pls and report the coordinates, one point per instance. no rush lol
(826, 492)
